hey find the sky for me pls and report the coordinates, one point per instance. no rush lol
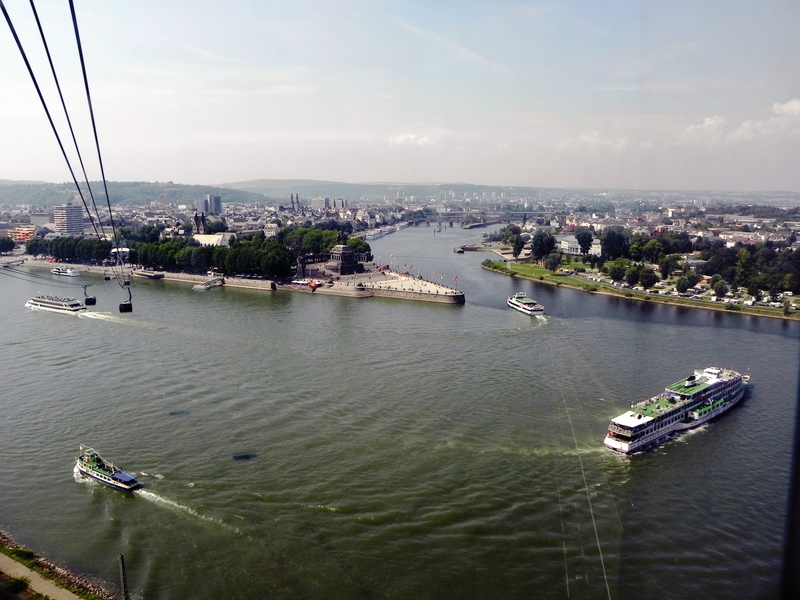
(640, 94)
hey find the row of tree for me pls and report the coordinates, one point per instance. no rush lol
(70, 249)
(274, 258)
(254, 256)
(644, 260)
(767, 267)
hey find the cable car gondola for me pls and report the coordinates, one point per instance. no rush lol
(87, 299)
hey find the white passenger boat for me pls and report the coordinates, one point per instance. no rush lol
(60, 304)
(683, 405)
(66, 271)
(523, 304)
(92, 465)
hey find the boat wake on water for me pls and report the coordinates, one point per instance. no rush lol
(158, 499)
(112, 318)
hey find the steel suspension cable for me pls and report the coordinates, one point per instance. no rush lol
(69, 121)
(44, 105)
(120, 258)
(91, 114)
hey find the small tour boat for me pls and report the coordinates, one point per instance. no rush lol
(523, 304)
(60, 304)
(92, 465)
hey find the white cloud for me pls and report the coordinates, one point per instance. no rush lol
(712, 130)
(786, 122)
(790, 108)
(709, 132)
(593, 139)
(410, 139)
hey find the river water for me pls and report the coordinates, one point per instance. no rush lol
(401, 450)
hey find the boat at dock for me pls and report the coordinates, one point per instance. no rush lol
(92, 465)
(60, 304)
(521, 302)
(65, 271)
(683, 405)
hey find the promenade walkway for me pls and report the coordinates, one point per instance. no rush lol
(12, 568)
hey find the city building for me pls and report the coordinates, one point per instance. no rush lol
(214, 205)
(22, 233)
(68, 219)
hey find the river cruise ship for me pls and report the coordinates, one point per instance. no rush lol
(523, 304)
(683, 405)
(65, 271)
(56, 304)
(91, 464)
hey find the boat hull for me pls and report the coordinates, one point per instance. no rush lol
(658, 430)
(92, 465)
(65, 308)
(525, 310)
(112, 483)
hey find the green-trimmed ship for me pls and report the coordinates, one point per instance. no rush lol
(92, 465)
(683, 405)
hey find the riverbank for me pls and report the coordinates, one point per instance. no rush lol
(373, 282)
(45, 577)
(599, 287)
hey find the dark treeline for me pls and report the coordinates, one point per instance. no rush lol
(254, 256)
(274, 258)
(70, 249)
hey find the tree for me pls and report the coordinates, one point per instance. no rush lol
(632, 275)
(542, 245)
(682, 285)
(508, 233)
(584, 237)
(667, 264)
(216, 226)
(552, 262)
(652, 250)
(358, 245)
(635, 251)
(720, 289)
(616, 271)
(648, 278)
(614, 244)
(517, 244)
(36, 246)
(6, 244)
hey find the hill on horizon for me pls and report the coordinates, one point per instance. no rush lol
(280, 189)
(39, 195)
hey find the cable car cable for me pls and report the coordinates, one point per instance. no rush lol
(69, 123)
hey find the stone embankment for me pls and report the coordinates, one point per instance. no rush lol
(55, 580)
(372, 283)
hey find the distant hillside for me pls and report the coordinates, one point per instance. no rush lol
(280, 189)
(12, 182)
(138, 192)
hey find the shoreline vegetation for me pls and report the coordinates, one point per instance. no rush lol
(540, 274)
(78, 584)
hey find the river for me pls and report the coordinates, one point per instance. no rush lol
(401, 450)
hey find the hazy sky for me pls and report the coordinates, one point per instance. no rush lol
(685, 94)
